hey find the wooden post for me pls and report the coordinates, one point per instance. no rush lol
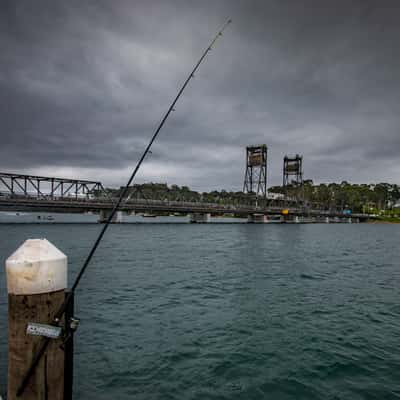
(36, 283)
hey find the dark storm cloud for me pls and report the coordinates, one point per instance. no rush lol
(83, 85)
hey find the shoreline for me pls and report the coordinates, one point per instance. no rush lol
(383, 222)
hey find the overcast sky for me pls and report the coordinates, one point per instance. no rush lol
(83, 85)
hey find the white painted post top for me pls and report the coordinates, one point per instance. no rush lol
(35, 267)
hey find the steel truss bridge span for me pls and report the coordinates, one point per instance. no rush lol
(46, 187)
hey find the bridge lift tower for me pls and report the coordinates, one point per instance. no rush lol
(293, 173)
(255, 179)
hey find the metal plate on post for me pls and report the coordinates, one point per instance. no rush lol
(50, 331)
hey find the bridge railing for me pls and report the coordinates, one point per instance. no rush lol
(15, 200)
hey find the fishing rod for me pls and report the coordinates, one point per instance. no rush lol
(56, 320)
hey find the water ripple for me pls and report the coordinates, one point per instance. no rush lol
(232, 312)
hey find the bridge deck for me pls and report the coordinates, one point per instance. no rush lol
(63, 205)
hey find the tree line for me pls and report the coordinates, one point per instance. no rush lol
(357, 197)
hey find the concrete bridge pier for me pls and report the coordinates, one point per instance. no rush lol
(257, 219)
(104, 214)
(199, 218)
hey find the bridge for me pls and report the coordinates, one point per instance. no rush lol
(31, 193)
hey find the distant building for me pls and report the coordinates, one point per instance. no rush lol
(275, 196)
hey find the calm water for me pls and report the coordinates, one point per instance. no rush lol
(231, 311)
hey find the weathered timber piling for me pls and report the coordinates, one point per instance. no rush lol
(36, 283)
